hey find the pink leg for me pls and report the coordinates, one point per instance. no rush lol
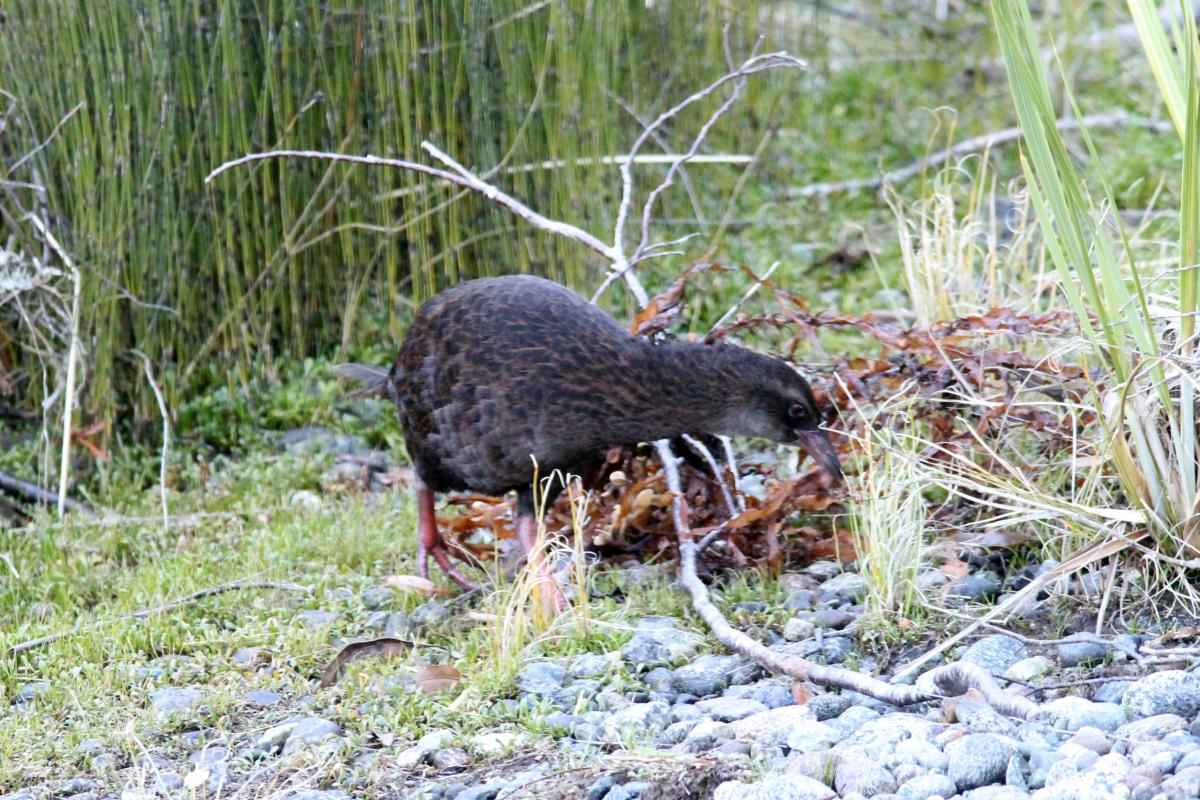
(430, 543)
(527, 536)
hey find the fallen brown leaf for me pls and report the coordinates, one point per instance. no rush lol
(437, 678)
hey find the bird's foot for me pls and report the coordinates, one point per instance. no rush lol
(431, 543)
(554, 602)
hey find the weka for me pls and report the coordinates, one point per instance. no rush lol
(499, 375)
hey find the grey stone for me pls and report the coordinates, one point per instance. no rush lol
(977, 759)
(1028, 669)
(997, 793)
(431, 612)
(316, 618)
(1158, 755)
(390, 623)
(926, 786)
(707, 675)
(168, 782)
(995, 653)
(855, 717)
(775, 787)
(1169, 692)
(541, 678)
(261, 698)
(656, 647)
(772, 727)
(1073, 713)
(208, 756)
(828, 706)
(378, 597)
(1151, 728)
(811, 736)
(800, 599)
(922, 752)
(30, 692)
(173, 701)
(978, 717)
(449, 758)
(704, 735)
(310, 731)
(638, 721)
(771, 692)
(315, 439)
(1082, 653)
(823, 570)
(1184, 783)
(845, 588)
(316, 794)
(730, 709)
(977, 586)
(424, 747)
(833, 618)
(796, 629)
(1093, 740)
(590, 665)
(864, 776)
(600, 787)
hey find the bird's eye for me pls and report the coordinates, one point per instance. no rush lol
(797, 411)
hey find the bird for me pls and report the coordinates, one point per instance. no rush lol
(499, 380)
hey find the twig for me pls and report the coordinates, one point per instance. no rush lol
(166, 445)
(754, 287)
(65, 119)
(16, 487)
(64, 469)
(972, 145)
(142, 613)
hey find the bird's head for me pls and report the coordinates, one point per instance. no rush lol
(780, 406)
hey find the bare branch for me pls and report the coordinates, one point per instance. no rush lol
(166, 444)
(972, 145)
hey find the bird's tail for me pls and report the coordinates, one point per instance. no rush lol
(373, 381)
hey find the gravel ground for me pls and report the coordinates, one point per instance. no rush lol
(695, 724)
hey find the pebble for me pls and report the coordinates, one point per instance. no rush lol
(707, 675)
(863, 776)
(1168, 692)
(923, 787)
(1082, 653)
(848, 587)
(496, 743)
(174, 701)
(828, 706)
(796, 629)
(775, 787)
(772, 726)
(730, 709)
(995, 653)
(638, 721)
(310, 731)
(976, 586)
(977, 759)
(1151, 728)
(541, 678)
(659, 647)
(425, 746)
(1073, 713)
(261, 698)
(811, 737)
(1029, 669)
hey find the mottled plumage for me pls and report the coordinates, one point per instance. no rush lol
(498, 373)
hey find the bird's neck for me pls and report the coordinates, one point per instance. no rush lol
(690, 387)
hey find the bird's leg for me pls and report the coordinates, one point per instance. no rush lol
(430, 542)
(526, 525)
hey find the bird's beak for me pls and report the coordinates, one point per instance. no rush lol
(818, 447)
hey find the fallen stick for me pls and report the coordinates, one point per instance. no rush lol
(24, 490)
(947, 681)
(968, 146)
(142, 613)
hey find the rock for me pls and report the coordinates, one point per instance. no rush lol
(866, 777)
(977, 759)
(449, 758)
(811, 737)
(772, 726)
(1083, 652)
(730, 709)
(801, 599)
(1092, 739)
(855, 717)
(1111, 692)
(998, 793)
(541, 678)
(638, 721)
(315, 794)
(976, 586)
(273, 738)
(174, 701)
(1150, 728)
(425, 746)
(591, 665)
(771, 692)
(431, 612)
(315, 439)
(658, 647)
(995, 653)
(828, 706)
(378, 597)
(707, 675)
(796, 629)
(1029, 669)
(1184, 783)
(775, 787)
(704, 735)
(845, 588)
(823, 570)
(922, 752)
(261, 698)
(926, 786)
(1172, 691)
(1156, 754)
(310, 731)
(391, 623)
(316, 618)
(483, 791)
(978, 717)
(601, 786)
(208, 756)
(1073, 713)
